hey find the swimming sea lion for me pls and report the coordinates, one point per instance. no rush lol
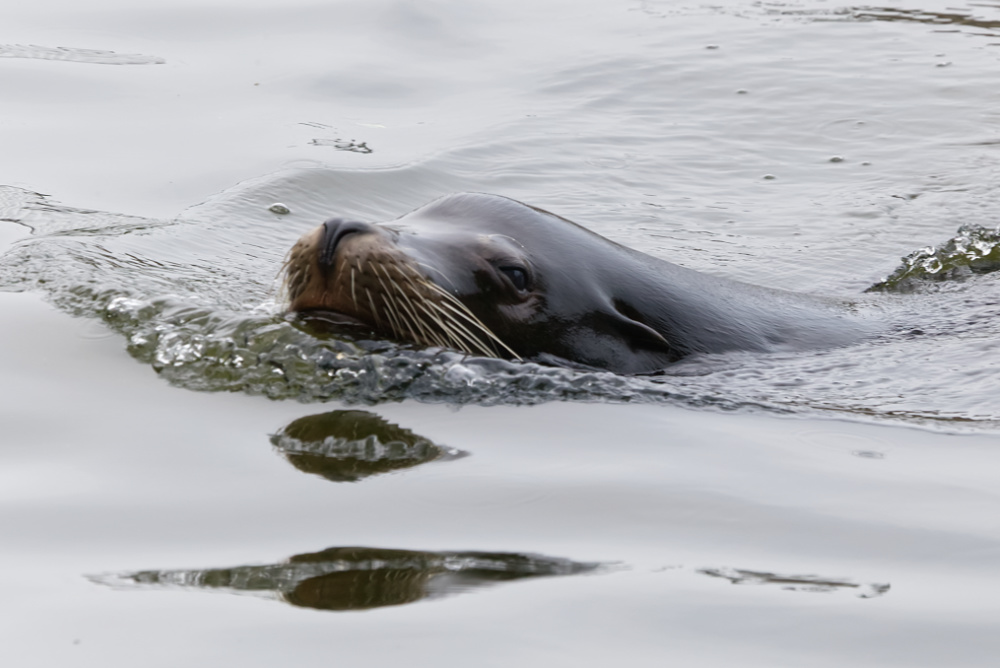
(492, 276)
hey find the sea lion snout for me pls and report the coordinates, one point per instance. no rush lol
(332, 232)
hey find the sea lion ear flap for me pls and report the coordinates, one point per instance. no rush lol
(638, 334)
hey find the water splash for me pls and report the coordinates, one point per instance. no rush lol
(974, 250)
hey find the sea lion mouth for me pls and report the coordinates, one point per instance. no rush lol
(357, 270)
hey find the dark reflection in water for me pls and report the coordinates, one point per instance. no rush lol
(810, 583)
(955, 16)
(359, 578)
(346, 446)
(922, 16)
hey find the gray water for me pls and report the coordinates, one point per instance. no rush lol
(808, 509)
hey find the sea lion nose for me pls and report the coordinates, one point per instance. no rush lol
(334, 231)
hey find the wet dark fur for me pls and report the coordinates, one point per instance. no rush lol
(492, 276)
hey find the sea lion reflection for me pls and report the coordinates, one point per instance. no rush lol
(360, 578)
(807, 583)
(347, 446)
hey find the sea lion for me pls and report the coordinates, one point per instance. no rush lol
(492, 276)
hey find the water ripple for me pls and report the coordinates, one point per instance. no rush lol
(194, 297)
(76, 55)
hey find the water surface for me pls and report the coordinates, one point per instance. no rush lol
(814, 509)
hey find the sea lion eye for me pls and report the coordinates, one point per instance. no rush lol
(517, 276)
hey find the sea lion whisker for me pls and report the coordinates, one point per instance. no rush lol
(473, 320)
(287, 288)
(469, 316)
(461, 339)
(407, 303)
(391, 312)
(393, 319)
(436, 336)
(399, 327)
(410, 318)
(424, 321)
(371, 302)
(450, 297)
(290, 276)
(291, 255)
(459, 330)
(427, 321)
(415, 286)
(408, 321)
(341, 266)
(458, 343)
(391, 309)
(465, 325)
(440, 328)
(354, 297)
(477, 347)
(435, 325)
(433, 269)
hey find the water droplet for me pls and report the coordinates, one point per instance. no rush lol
(742, 91)
(869, 454)
(836, 158)
(769, 177)
(712, 46)
(279, 209)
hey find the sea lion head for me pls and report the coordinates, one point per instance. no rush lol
(478, 273)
